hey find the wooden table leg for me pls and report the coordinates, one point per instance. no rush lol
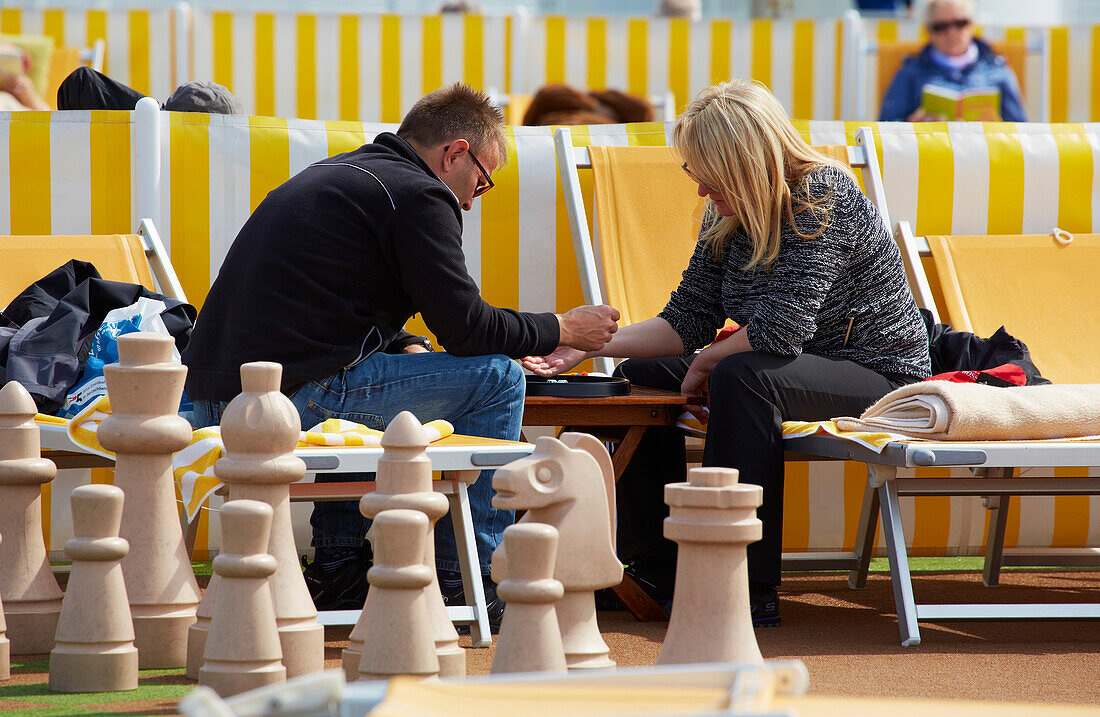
(637, 601)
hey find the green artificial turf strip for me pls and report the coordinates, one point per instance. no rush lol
(61, 710)
(148, 689)
(40, 693)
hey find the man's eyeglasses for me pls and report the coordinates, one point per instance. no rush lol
(938, 27)
(480, 188)
(695, 179)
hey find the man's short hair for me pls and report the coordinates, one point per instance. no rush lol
(457, 111)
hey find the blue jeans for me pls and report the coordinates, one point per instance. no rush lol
(479, 395)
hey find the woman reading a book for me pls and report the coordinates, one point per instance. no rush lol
(955, 76)
(793, 252)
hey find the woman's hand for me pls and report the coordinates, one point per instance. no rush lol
(697, 379)
(562, 359)
(695, 384)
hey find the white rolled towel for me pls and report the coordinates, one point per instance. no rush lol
(947, 411)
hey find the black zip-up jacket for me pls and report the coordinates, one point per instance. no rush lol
(333, 262)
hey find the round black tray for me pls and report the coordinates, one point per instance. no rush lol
(572, 386)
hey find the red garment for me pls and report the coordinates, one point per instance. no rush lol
(1008, 374)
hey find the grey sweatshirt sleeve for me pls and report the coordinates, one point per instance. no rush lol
(695, 309)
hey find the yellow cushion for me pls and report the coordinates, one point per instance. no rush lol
(1041, 291)
(648, 214)
(40, 49)
(118, 257)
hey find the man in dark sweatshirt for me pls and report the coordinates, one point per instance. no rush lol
(324, 275)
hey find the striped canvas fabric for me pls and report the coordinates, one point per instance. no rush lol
(348, 67)
(800, 60)
(141, 44)
(70, 173)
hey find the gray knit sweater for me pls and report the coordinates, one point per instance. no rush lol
(852, 271)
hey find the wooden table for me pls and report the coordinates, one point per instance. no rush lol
(624, 420)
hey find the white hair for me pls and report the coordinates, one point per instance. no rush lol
(966, 7)
(691, 9)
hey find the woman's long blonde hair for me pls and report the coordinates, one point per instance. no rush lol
(738, 140)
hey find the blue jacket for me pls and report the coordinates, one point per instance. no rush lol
(990, 70)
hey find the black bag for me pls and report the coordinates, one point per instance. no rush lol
(953, 350)
(46, 332)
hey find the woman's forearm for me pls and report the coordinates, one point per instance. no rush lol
(651, 338)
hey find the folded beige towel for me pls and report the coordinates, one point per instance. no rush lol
(947, 411)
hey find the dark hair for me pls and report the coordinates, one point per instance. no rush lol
(457, 111)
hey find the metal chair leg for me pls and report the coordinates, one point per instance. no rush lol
(900, 578)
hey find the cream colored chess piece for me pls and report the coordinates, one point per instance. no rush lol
(260, 428)
(242, 649)
(144, 430)
(570, 485)
(32, 599)
(5, 646)
(398, 638)
(712, 518)
(95, 636)
(405, 481)
(530, 639)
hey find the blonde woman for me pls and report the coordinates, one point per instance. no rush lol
(792, 251)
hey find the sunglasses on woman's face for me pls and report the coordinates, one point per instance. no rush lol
(938, 27)
(695, 179)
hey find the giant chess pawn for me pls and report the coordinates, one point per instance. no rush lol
(570, 485)
(398, 639)
(95, 636)
(5, 646)
(242, 650)
(31, 596)
(144, 431)
(405, 481)
(530, 639)
(260, 428)
(712, 518)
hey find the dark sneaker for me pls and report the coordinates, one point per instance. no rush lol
(344, 589)
(450, 585)
(764, 605)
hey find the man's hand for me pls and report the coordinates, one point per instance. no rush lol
(562, 359)
(414, 349)
(588, 328)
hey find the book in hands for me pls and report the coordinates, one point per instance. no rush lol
(981, 104)
(11, 64)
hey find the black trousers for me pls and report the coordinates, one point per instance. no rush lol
(751, 394)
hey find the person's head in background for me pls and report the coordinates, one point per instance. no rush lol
(204, 96)
(17, 90)
(950, 25)
(460, 6)
(459, 133)
(690, 9)
(749, 162)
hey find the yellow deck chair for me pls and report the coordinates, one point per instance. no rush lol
(1040, 287)
(135, 258)
(891, 55)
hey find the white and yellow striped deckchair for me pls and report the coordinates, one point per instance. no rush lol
(70, 173)
(334, 66)
(141, 44)
(801, 61)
